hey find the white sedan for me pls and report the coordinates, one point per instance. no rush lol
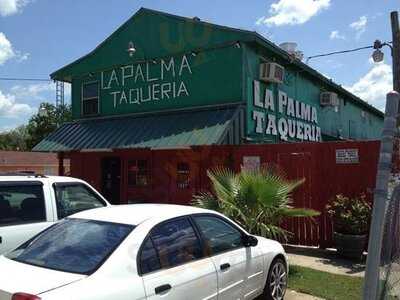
(144, 251)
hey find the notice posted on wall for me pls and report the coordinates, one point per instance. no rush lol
(347, 156)
(251, 163)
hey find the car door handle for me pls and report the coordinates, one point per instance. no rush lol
(162, 288)
(224, 267)
(1, 240)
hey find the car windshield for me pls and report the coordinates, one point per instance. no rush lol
(73, 245)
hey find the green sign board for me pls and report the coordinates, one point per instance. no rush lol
(189, 80)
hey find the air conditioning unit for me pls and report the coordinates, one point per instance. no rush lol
(329, 99)
(272, 72)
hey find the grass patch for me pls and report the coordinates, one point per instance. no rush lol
(325, 285)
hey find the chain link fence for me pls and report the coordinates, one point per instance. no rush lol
(390, 253)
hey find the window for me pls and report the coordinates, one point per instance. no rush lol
(21, 203)
(183, 176)
(90, 98)
(219, 236)
(75, 197)
(149, 261)
(73, 245)
(138, 173)
(176, 243)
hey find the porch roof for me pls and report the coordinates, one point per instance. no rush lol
(168, 130)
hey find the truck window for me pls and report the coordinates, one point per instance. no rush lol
(72, 198)
(21, 204)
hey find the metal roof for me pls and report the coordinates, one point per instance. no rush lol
(243, 35)
(170, 130)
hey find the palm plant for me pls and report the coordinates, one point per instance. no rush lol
(257, 200)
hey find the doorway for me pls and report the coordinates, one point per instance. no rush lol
(111, 179)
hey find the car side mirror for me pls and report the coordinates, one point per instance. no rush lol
(250, 241)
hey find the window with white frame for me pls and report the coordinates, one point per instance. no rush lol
(90, 98)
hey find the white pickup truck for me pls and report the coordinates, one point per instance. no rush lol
(31, 203)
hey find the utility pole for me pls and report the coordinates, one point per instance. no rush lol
(394, 17)
(372, 279)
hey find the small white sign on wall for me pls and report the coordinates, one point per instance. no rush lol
(347, 156)
(251, 163)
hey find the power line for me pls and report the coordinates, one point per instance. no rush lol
(340, 52)
(24, 79)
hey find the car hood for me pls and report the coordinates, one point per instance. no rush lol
(19, 277)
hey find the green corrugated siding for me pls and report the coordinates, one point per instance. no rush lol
(156, 131)
(345, 123)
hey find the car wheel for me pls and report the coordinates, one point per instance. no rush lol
(275, 287)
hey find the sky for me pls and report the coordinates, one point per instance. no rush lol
(38, 37)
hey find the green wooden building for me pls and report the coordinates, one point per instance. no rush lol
(165, 81)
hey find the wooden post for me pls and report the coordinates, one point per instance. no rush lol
(394, 17)
(60, 156)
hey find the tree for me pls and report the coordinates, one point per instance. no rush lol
(14, 140)
(257, 200)
(46, 121)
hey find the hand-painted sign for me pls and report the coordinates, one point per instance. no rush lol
(140, 83)
(205, 78)
(285, 117)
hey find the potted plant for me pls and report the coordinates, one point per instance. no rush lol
(351, 217)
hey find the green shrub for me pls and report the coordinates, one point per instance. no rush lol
(257, 200)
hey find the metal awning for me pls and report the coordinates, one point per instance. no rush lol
(172, 130)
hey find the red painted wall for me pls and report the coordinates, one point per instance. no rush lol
(316, 162)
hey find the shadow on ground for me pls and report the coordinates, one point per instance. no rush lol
(325, 260)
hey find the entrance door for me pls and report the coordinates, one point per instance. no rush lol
(111, 181)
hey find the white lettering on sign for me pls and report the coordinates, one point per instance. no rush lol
(150, 77)
(347, 156)
(303, 122)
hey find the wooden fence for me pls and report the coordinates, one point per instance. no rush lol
(329, 168)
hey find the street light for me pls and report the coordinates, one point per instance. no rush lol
(378, 55)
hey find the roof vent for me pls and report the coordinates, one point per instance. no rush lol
(290, 47)
(196, 19)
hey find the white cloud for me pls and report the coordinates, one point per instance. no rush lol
(7, 51)
(44, 91)
(22, 100)
(335, 35)
(373, 86)
(359, 26)
(293, 12)
(22, 56)
(9, 108)
(11, 7)
(34, 91)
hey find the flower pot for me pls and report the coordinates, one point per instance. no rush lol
(349, 245)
